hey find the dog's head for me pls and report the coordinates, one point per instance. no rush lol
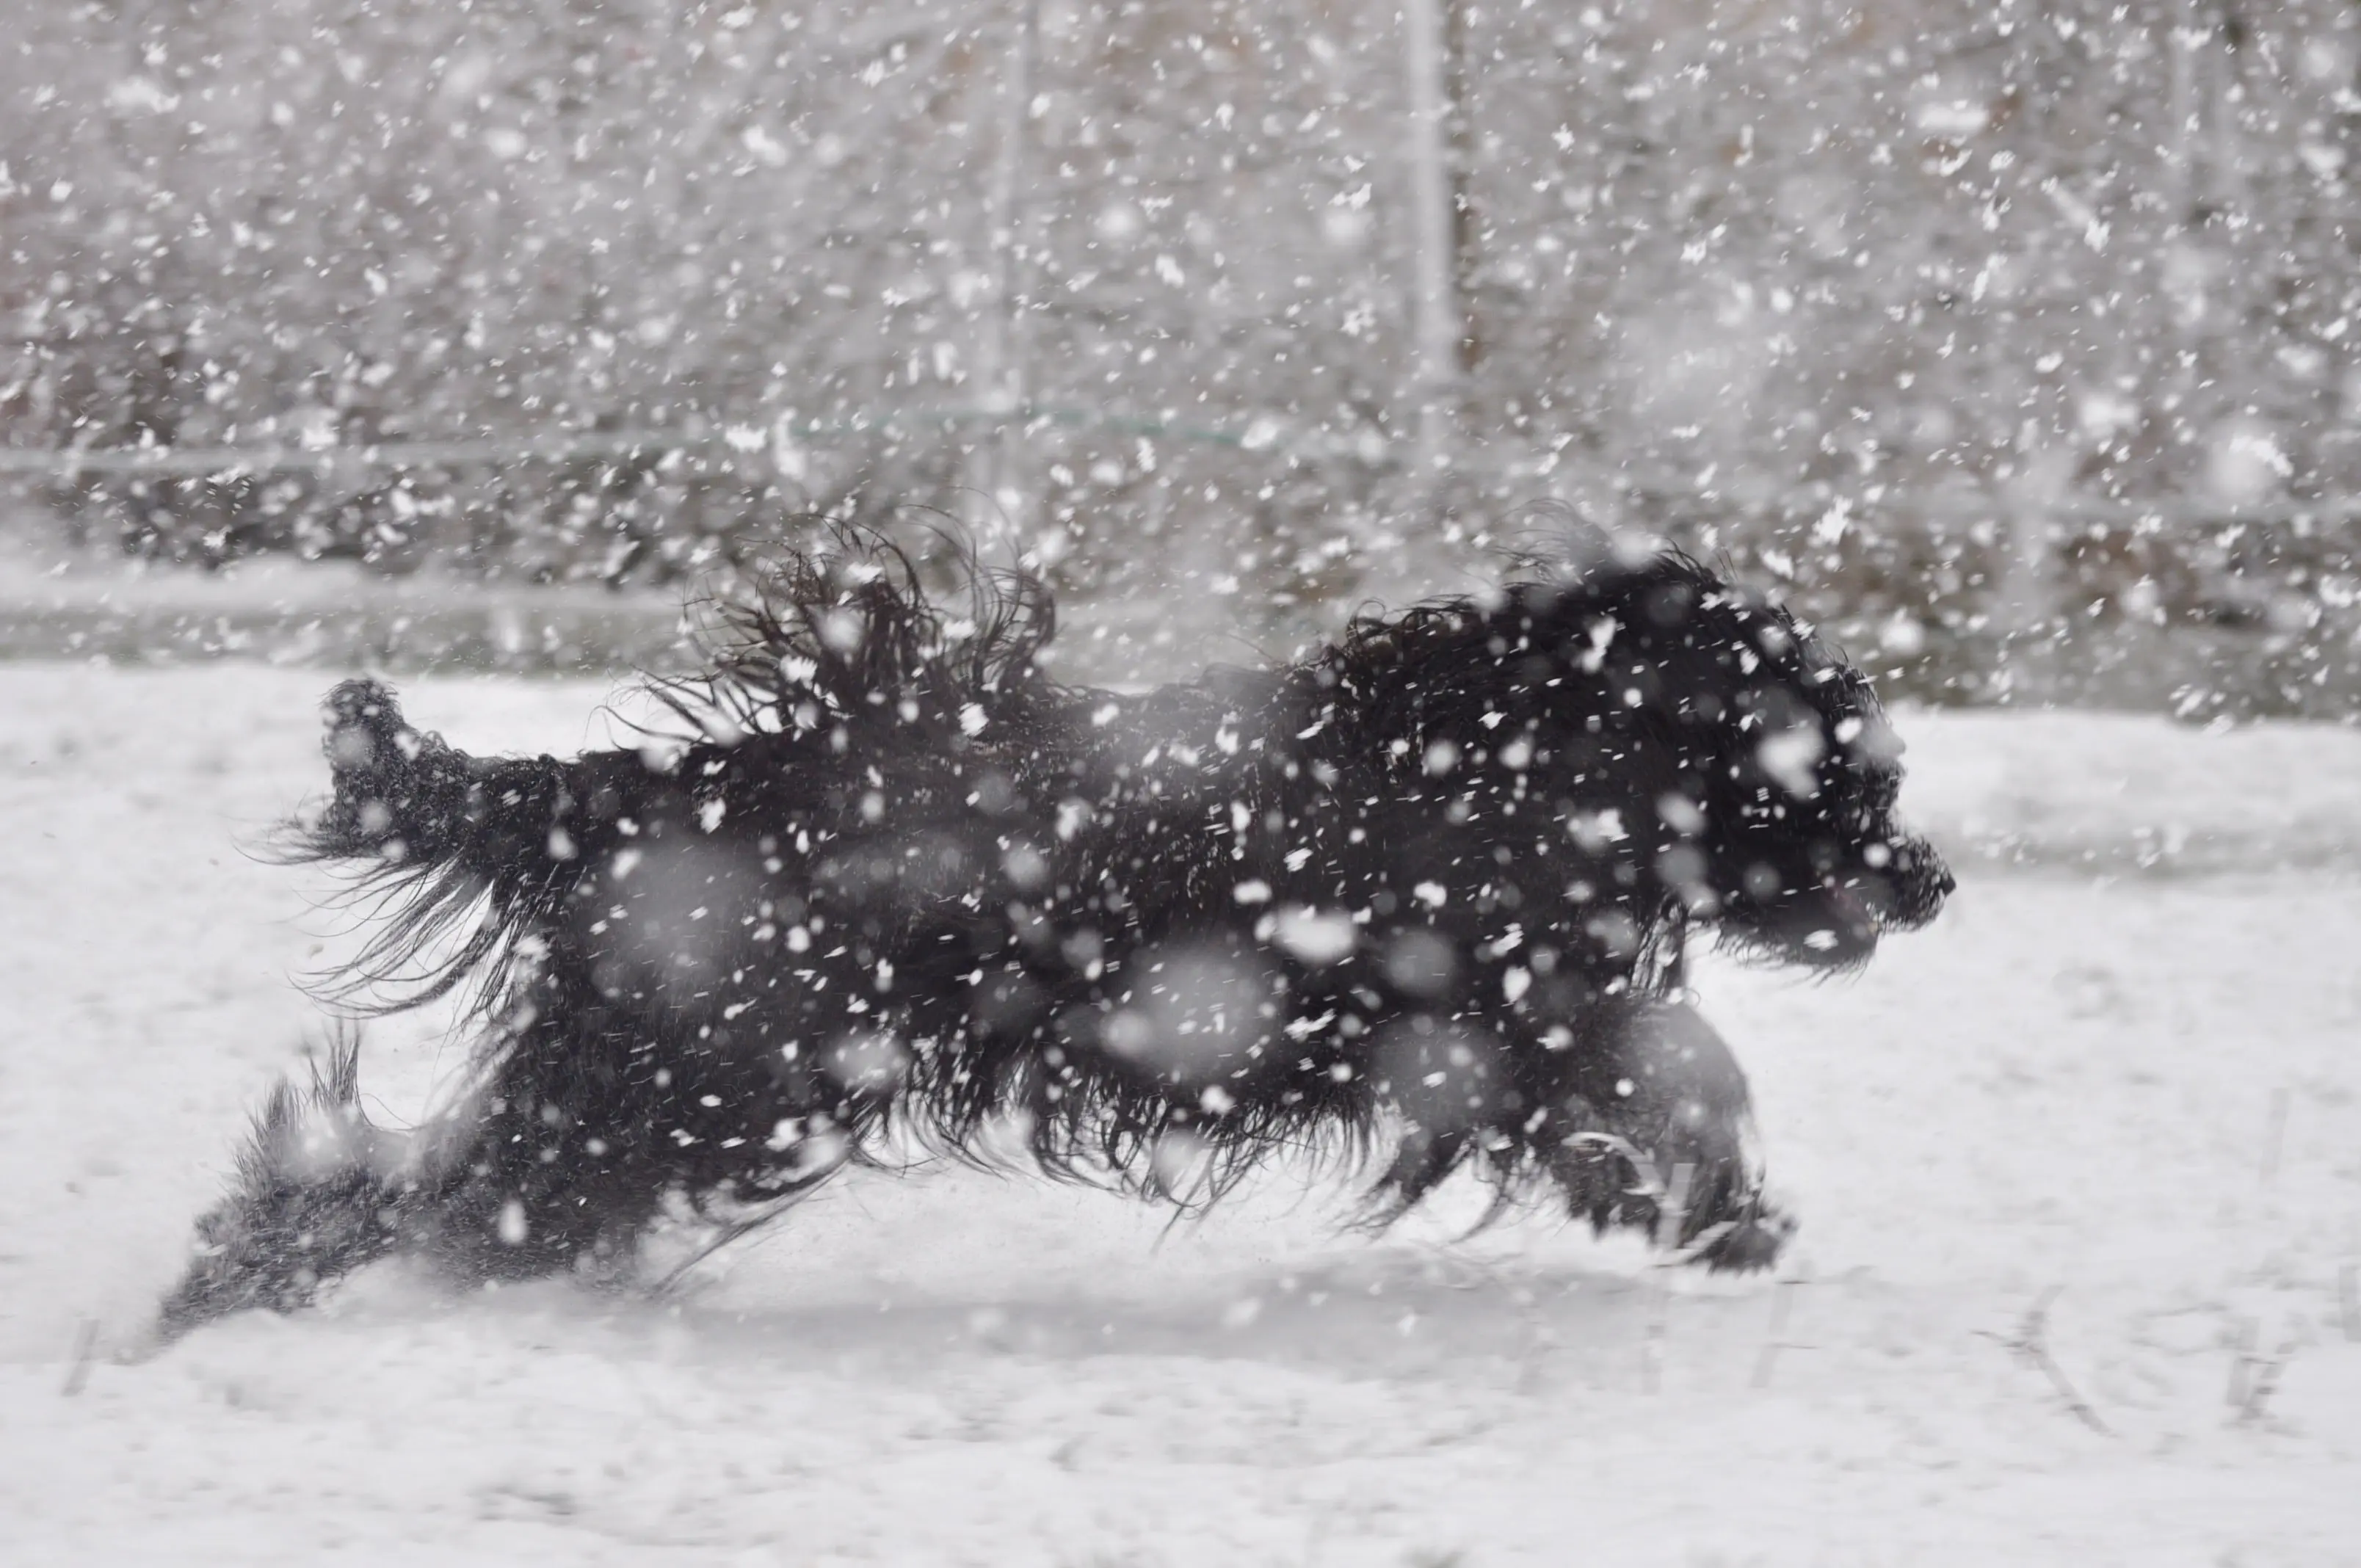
(1808, 860)
(1785, 832)
(1765, 770)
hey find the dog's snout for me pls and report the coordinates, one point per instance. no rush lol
(1930, 868)
(1926, 882)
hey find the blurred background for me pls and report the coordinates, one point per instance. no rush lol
(2014, 344)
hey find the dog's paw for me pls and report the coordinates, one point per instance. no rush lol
(1746, 1245)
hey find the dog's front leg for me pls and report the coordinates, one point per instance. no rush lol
(1646, 1110)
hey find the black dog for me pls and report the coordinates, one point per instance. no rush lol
(1435, 879)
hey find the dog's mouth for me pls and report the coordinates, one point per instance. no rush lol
(1834, 918)
(1854, 922)
(1910, 893)
(1828, 926)
(1860, 913)
(1854, 912)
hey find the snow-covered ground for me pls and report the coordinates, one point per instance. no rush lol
(2117, 1078)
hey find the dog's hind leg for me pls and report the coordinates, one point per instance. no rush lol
(490, 1209)
(576, 1143)
(318, 1194)
(1650, 1108)
(548, 1163)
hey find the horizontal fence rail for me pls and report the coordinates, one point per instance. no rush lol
(227, 462)
(1261, 434)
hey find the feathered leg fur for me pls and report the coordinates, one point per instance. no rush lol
(316, 1195)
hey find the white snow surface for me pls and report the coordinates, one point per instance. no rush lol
(2117, 1077)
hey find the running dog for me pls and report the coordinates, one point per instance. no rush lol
(1423, 895)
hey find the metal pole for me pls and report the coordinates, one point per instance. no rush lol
(993, 490)
(1438, 328)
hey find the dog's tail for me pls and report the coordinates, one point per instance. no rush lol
(398, 792)
(463, 852)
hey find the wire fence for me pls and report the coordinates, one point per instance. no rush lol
(1264, 433)
(779, 434)
(1965, 593)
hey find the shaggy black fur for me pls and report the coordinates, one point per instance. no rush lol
(1435, 879)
